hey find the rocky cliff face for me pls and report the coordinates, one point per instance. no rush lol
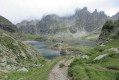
(76, 25)
(28, 26)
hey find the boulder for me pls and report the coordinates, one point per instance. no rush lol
(2, 64)
(102, 45)
(101, 56)
(11, 67)
(83, 57)
(23, 69)
(2, 60)
(113, 49)
(12, 61)
(8, 67)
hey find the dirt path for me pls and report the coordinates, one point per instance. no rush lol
(58, 73)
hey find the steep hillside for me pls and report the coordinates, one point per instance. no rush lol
(110, 31)
(15, 55)
(9, 28)
(7, 25)
(81, 23)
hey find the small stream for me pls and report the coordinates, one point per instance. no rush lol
(49, 53)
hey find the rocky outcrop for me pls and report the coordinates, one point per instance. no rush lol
(28, 26)
(23, 69)
(83, 57)
(101, 56)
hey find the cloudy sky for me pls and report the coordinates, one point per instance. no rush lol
(17, 10)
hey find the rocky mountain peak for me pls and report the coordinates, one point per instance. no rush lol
(95, 11)
(85, 9)
(82, 20)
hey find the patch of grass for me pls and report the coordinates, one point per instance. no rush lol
(61, 65)
(3, 74)
(32, 37)
(104, 69)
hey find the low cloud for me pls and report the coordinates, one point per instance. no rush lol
(17, 10)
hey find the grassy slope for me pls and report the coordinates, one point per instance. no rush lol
(97, 70)
(31, 37)
(35, 73)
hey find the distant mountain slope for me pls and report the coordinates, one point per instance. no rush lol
(77, 25)
(115, 17)
(28, 26)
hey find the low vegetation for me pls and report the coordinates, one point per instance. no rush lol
(90, 69)
(35, 73)
(61, 65)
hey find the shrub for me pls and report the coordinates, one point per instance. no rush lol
(108, 25)
(75, 62)
(61, 65)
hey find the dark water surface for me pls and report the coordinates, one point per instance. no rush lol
(49, 53)
(41, 47)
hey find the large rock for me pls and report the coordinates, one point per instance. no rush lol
(83, 57)
(23, 69)
(113, 49)
(101, 56)
(2, 60)
(12, 61)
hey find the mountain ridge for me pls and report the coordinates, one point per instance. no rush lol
(77, 25)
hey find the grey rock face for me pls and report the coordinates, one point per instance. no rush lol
(113, 49)
(2, 60)
(85, 57)
(82, 20)
(101, 56)
(28, 26)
